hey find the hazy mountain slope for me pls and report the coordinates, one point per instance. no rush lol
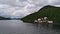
(4, 18)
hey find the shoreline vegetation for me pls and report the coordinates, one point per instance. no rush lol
(52, 12)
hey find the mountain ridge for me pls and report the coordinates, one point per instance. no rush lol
(52, 12)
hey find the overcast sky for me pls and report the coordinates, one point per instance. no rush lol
(21, 8)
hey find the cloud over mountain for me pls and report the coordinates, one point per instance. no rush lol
(21, 8)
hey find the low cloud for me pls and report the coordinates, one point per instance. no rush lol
(21, 8)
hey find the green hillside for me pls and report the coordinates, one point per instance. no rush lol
(52, 12)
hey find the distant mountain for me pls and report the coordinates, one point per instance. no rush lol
(52, 12)
(4, 18)
(15, 18)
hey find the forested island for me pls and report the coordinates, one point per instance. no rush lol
(52, 12)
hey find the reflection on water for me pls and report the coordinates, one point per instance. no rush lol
(18, 27)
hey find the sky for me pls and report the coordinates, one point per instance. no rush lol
(22, 8)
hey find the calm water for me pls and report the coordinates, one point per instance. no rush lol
(18, 27)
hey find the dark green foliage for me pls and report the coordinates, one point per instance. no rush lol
(53, 13)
